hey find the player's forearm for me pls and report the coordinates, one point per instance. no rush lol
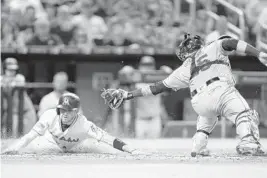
(244, 47)
(24, 141)
(148, 90)
(240, 46)
(122, 146)
(117, 143)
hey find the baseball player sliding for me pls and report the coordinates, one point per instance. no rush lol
(207, 72)
(68, 128)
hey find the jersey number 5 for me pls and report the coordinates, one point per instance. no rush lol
(200, 62)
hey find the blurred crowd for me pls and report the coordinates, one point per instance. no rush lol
(16, 102)
(17, 98)
(89, 23)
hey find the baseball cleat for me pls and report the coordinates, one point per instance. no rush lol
(249, 151)
(246, 147)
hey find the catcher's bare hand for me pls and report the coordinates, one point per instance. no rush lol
(134, 151)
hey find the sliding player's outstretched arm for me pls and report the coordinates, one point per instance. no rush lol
(20, 144)
(175, 81)
(102, 136)
(38, 129)
(230, 44)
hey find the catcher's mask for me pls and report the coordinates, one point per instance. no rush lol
(188, 46)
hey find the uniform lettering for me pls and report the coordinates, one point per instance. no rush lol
(93, 128)
(201, 60)
(70, 140)
(199, 64)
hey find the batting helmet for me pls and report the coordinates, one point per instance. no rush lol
(188, 46)
(68, 101)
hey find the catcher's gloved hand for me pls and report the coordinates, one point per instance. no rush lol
(114, 97)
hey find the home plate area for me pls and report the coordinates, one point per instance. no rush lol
(169, 158)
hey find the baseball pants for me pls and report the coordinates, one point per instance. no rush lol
(217, 99)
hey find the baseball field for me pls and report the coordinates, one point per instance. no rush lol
(170, 158)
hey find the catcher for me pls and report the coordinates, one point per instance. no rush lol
(207, 72)
(65, 127)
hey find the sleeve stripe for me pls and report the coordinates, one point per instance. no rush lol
(37, 132)
(164, 83)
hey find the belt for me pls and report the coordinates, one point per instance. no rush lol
(194, 92)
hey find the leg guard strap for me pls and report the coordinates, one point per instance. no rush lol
(237, 117)
(246, 136)
(203, 131)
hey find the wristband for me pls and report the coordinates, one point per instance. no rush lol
(118, 144)
(146, 91)
(241, 46)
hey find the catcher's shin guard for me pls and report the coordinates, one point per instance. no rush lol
(247, 129)
(247, 124)
(200, 141)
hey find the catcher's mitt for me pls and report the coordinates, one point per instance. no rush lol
(113, 97)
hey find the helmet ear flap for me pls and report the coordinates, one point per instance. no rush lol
(75, 109)
(58, 112)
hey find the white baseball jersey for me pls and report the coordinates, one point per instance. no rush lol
(189, 75)
(221, 99)
(49, 125)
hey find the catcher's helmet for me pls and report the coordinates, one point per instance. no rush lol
(188, 46)
(68, 101)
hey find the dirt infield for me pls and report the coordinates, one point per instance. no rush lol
(170, 158)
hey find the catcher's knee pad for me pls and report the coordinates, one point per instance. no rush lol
(247, 124)
(200, 141)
